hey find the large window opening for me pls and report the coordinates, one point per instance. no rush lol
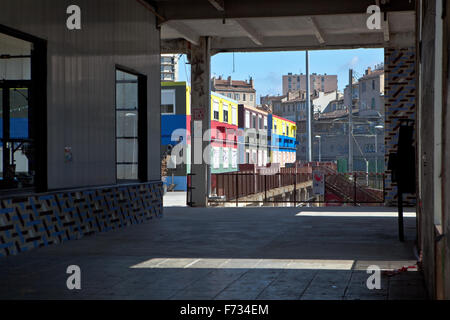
(130, 126)
(17, 132)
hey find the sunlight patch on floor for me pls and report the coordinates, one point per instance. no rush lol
(353, 214)
(206, 263)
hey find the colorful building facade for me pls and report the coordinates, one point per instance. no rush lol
(253, 140)
(239, 135)
(175, 125)
(282, 144)
(176, 128)
(224, 126)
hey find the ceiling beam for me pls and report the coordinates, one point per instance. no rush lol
(180, 10)
(317, 32)
(294, 43)
(218, 4)
(184, 31)
(176, 46)
(251, 32)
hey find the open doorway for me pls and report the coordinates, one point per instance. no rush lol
(22, 112)
(263, 147)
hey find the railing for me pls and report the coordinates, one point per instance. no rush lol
(235, 185)
(294, 185)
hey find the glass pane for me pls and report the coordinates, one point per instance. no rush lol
(18, 113)
(21, 161)
(127, 151)
(127, 171)
(168, 101)
(127, 124)
(126, 91)
(15, 68)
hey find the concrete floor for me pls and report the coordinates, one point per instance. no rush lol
(227, 253)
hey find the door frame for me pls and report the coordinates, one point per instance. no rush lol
(37, 102)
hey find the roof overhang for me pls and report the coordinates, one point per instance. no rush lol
(259, 25)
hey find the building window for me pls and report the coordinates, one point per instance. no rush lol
(127, 125)
(216, 110)
(265, 122)
(251, 97)
(236, 96)
(229, 95)
(373, 104)
(225, 157)
(247, 119)
(243, 97)
(168, 102)
(363, 87)
(234, 115)
(260, 122)
(254, 121)
(373, 84)
(216, 157)
(225, 113)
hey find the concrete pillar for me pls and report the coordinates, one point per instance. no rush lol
(400, 103)
(200, 60)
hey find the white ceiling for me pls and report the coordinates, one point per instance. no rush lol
(293, 33)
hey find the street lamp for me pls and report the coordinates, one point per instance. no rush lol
(320, 148)
(376, 146)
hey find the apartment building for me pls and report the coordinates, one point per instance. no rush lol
(295, 104)
(253, 144)
(169, 67)
(371, 92)
(319, 82)
(242, 91)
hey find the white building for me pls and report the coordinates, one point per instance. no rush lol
(169, 67)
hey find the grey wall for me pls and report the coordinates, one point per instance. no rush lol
(426, 218)
(81, 81)
(446, 157)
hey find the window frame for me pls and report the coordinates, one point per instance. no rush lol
(234, 115)
(142, 125)
(216, 103)
(174, 101)
(225, 111)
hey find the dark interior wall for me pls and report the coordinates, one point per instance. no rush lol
(446, 154)
(426, 118)
(81, 81)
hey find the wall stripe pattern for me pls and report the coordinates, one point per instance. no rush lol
(42, 220)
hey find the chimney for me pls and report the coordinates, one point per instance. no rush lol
(230, 82)
(368, 71)
(251, 82)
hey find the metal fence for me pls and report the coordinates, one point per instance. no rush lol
(293, 185)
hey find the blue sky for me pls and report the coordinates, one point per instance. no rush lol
(267, 68)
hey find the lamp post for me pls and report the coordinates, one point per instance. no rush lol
(320, 148)
(376, 146)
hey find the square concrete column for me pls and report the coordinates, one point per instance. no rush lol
(200, 60)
